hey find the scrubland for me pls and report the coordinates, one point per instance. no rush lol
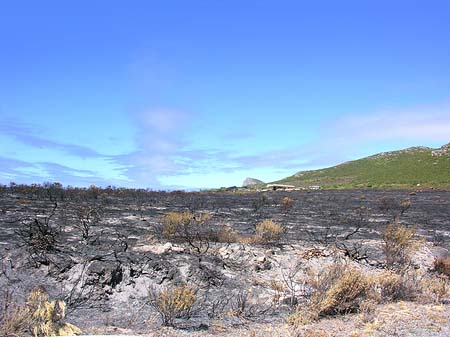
(303, 263)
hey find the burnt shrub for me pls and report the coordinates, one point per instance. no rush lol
(188, 227)
(87, 217)
(39, 233)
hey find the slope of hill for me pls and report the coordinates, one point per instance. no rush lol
(252, 181)
(398, 169)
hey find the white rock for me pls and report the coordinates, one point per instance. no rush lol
(260, 258)
(177, 249)
(166, 247)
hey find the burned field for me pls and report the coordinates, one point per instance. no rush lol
(129, 261)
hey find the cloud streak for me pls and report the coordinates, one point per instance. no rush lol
(158, 144)
(162, 149)
(420, 124)
(25, 133)
(342, 138)
(23, 171)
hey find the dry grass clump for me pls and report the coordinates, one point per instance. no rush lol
(340, 289)
(315, 333)
(38, 316)
(278, 288)
(173, 223)
(410, 285)
(188, 227)
(227, 234)
(435, 289)
(335, 290)
(391, 287)
(171, 303)
(14, 318)
(345, 295)
(268, 231)
(193, 228)
(286, 204)
(399, 244)
(442, 266)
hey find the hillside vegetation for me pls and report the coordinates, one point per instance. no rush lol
(416, 166)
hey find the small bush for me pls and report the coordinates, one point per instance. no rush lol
(38, 316)
(14, 318)
(268, 231)
(399, 243)
(435, 289)
(173, 223)
(410, 285)
(321, 281)
(227, 234)
(335, 290)
(345, 295)
(367, 310)
(88, 217)
(286, 204)
(442, 266)
(173, 303)
(279, 290)
(188, 227)
(341, 290)
(390, 286)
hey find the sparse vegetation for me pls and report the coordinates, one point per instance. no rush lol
(87, 218)
(286, 204)
(310, 255)
(172, 303)
(227, 234)
(391, 286)
(268, 231)
(188, 227)
(37, 316)
(442, 266)
(338, 289)
(435, 289)
(39, 233)
(399, 243)
(398, 169)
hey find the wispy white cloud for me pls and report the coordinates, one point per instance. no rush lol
(422, 124)
(31, 136)
(344, 138)
(158, 140)
(163, 154)
(162, 121)
(38, 172)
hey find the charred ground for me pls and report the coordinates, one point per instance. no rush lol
(103, 252)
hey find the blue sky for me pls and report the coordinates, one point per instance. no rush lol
(170, 94)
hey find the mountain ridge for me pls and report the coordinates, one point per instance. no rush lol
(410, 167)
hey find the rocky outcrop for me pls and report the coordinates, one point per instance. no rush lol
(443, 150)
(251, 181)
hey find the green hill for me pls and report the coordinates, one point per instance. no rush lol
(398, 169)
